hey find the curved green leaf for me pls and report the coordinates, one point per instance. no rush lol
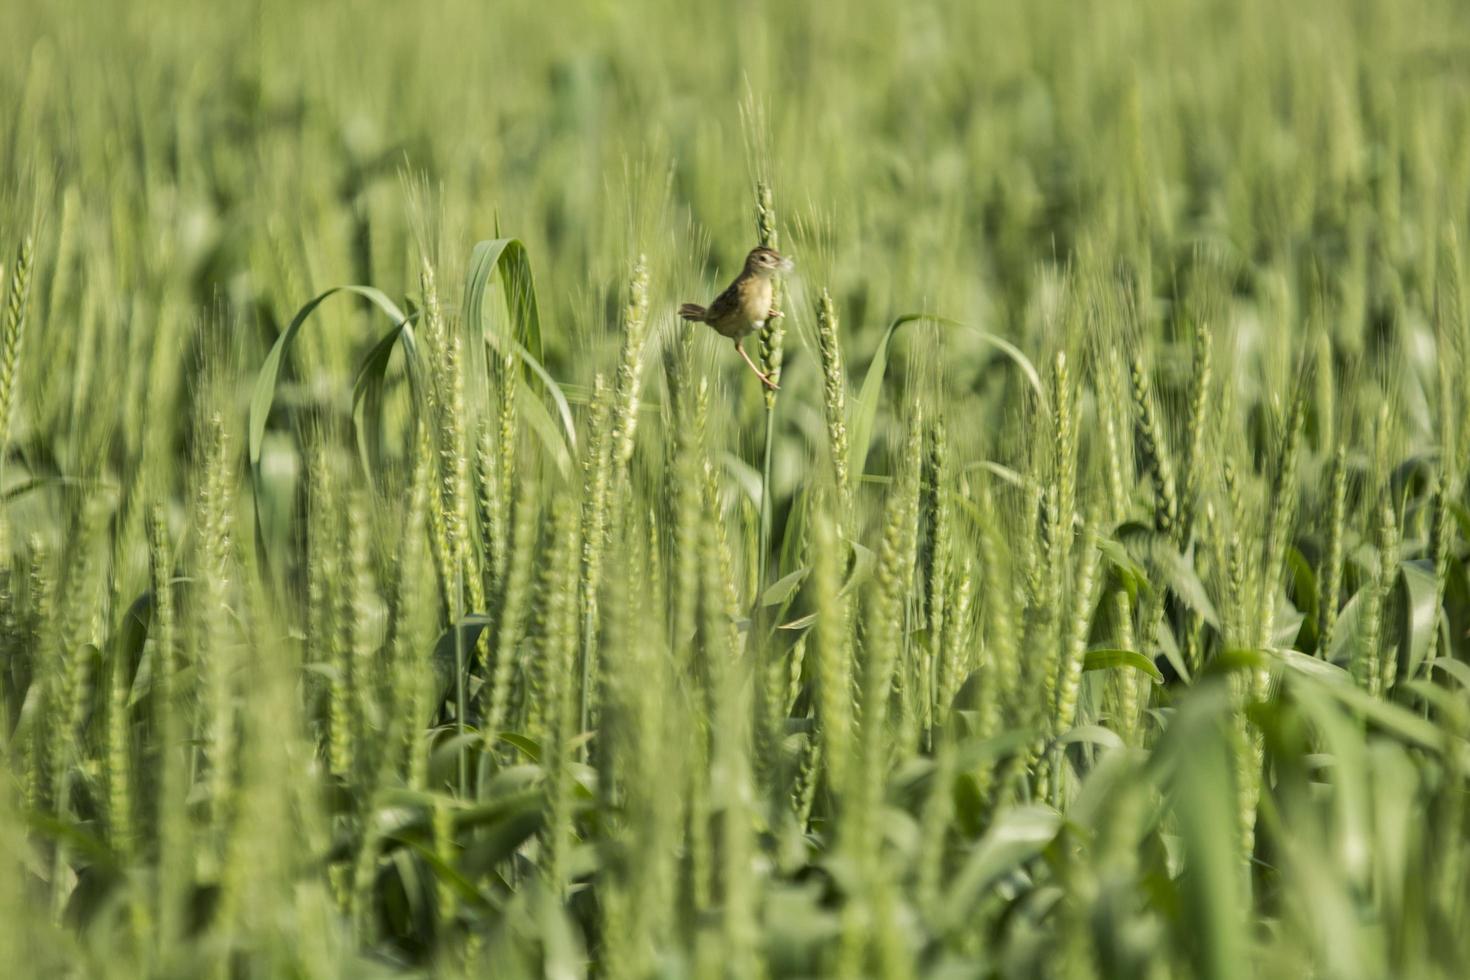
(265, 382)
(1108, 659)
(997, 470)
(1016, 836)
(1392, 719)
(367, 391)
(539, 372)
(783, 588)
(453, 648)
(793, 537)
(1421, 612)
(448, 875)
(1448, 706)
(865, 409)
(1021, 360)
(541, 423)
(1092, 735)
(1184, 580)
(1304, 582)
(746, 477)
(864, 560)
(1342, 741)
(264, 394)
(527, 745)
(1457, 669)
(1277, 659)
(75, 836)
(1311, 666)
(508, 257)
(130, 638)
(1347, 634)
(1130, 573)
(506, 261)
(496, 840)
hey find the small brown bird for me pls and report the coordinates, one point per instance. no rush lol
(745, 305)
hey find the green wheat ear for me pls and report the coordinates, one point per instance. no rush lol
(834, 394)
(835, 676)
(1085, 635)
(1157, 456)
(772, 337)
(1330, 576)
(12, 336)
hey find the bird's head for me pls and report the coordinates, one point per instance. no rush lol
(766, 262)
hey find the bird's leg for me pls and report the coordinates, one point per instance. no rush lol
(764, 380)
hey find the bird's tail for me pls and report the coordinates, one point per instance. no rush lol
(692, 312)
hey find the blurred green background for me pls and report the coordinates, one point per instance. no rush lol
(1238, 225)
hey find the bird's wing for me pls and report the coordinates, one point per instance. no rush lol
(725, 304)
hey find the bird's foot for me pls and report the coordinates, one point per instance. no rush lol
(765, 379)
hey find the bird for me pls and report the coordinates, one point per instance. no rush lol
(745, 305)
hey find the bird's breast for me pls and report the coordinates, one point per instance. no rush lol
(755, 301)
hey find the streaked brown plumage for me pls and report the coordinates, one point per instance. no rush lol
(745, 305)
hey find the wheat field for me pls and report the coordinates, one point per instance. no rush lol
(391, 585)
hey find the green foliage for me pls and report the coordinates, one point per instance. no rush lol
(1110, 617)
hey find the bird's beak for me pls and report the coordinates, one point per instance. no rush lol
(787, 265)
